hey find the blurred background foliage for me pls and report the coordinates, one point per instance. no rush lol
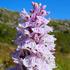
(8, 22)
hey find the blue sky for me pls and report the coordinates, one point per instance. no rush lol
(60, 9)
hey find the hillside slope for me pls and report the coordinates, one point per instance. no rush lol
(8, 22)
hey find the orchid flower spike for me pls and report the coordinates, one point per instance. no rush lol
(36, 46)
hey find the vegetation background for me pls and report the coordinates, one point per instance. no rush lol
(8, 22)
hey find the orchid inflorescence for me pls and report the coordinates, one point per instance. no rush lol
(36, 46)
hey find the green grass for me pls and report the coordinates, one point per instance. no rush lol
(63, 61)
(62, 46)
(5, 55)
(62, 50)
(7, 33)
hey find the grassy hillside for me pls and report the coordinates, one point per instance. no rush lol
(8, 22)
(62, 33)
